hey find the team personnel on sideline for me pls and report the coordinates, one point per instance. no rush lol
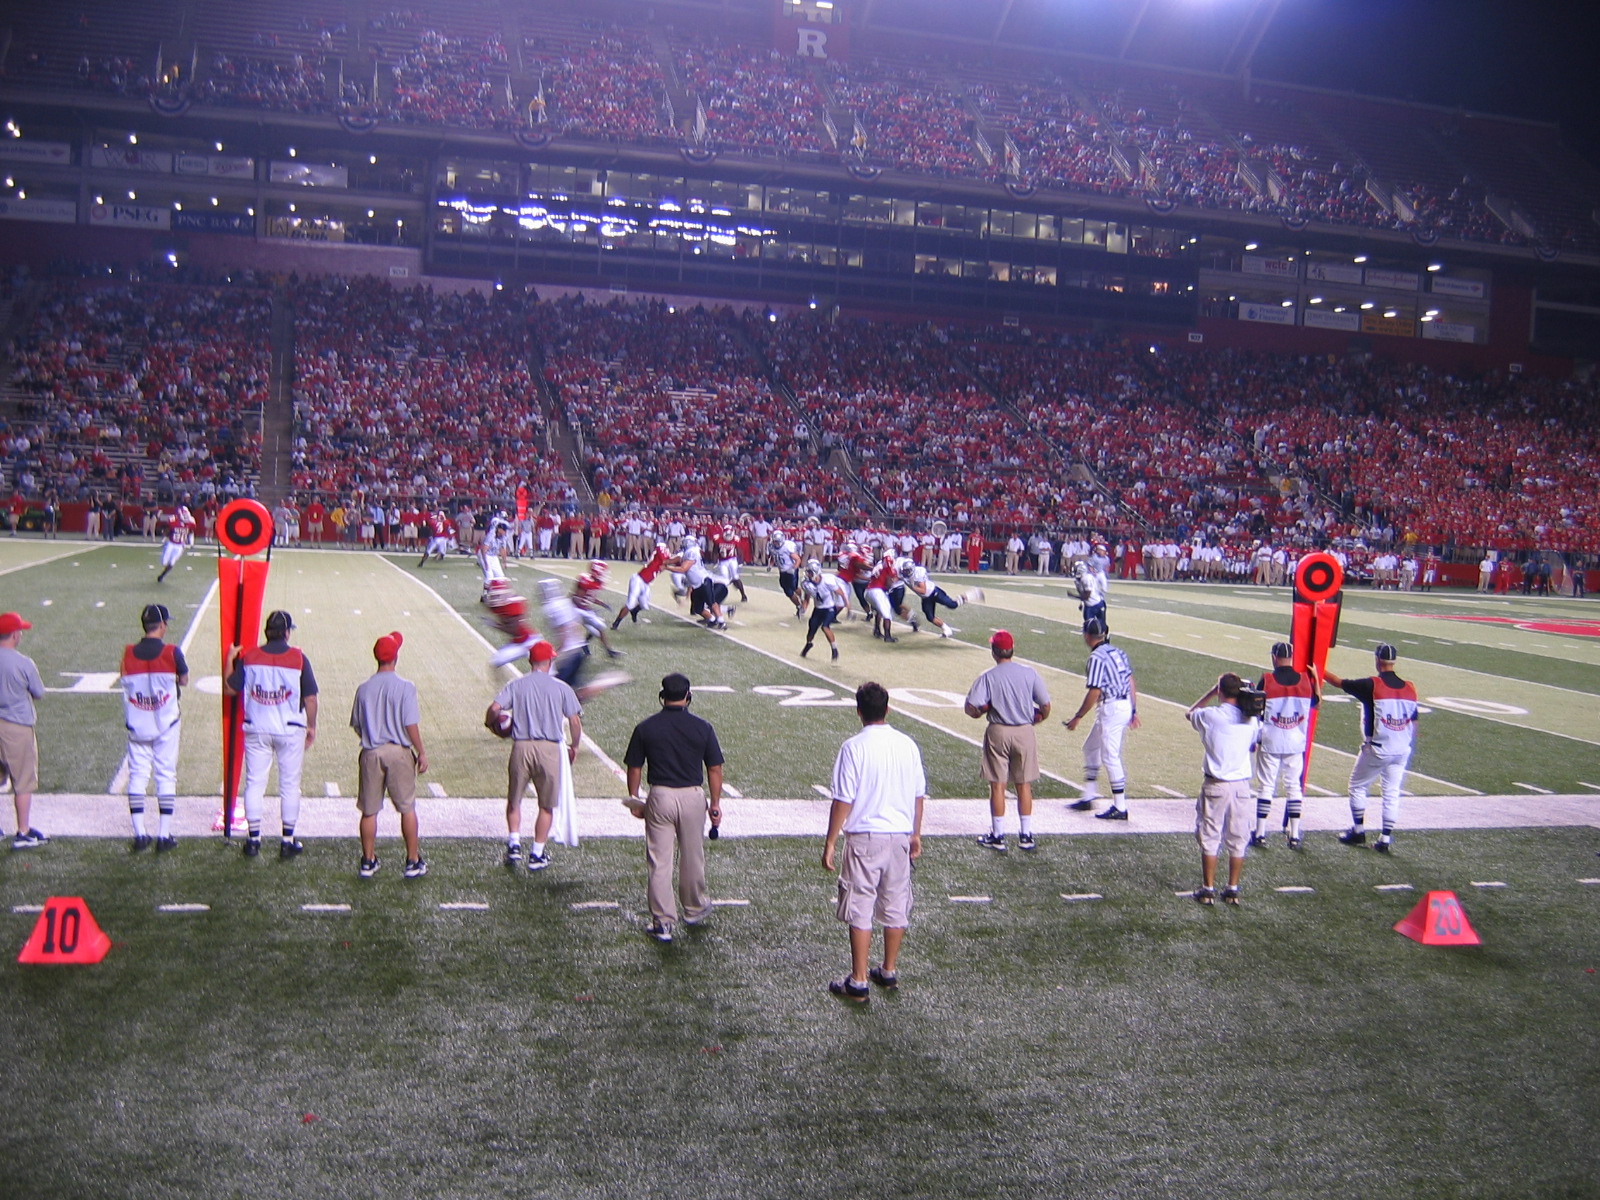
(20, 686)
(879, 790)
(531, 709)
(682, 752)
(1222, 814)
(1291, 695)
(639, 586)
(828, 597)
(1014, 699)
(1388, 733)
(1114, 695)
(386, 717)
(280, 723)
(179, 528)
(152, 674)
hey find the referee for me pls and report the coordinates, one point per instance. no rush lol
(682, 750)
(1113, 694)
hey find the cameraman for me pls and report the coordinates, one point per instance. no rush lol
(1228, 733)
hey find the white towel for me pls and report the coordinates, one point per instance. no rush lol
(564, 826)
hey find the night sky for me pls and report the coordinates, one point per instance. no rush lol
(1525, 58)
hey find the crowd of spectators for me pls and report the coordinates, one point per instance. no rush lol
(409, 394)
(145, 390)
(296, 84)
(1060, 144)
(600, 82)
(453, 81)
(755, 99)
(906, 119)
(672, 409)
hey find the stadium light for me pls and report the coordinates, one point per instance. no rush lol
(249, 212)
(133, 195)
(1432, 312)
(219, 147)
(177, 206)
(1435, 266)
(1367, 305)
(97, 199)
(291, 151)
(1286, 304)
(372, 160)
(370, 214)
(21, 195)
(214, 202)
(1390, 313)
(1315, 300)
(1252, 245)
(1360, 258)
(10, 182)
(133, 139)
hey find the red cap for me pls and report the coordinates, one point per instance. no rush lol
(542, 652)
(387, 648)
(11, 622)
(1003, 641)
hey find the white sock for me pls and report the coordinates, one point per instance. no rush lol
(138, 823)
(538, 849)
(514, 839)
(1294, 827)
(996, 828)
(1027, 825)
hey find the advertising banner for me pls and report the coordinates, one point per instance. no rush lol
(1449, 331)
(63, 212)
(310, 174)
(214, 222)
(1388, 326)
(217, 166)
(1472, 289)
(1326, 318)
(1269, 314)
(139, 216)
(1333, 272)
(1273, 268)
(1400, 281)
(131, 158)
(56, 154)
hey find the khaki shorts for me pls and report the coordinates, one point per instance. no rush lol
(1010, 754)
(538, 763)
(1223, 816)
(875, 880)
(388, 768)
(19, 754)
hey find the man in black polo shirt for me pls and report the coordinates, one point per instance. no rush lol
(681, 749)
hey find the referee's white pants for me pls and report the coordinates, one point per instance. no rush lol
(158, 758)
(260, 749)
(878, 602)
(1388, 770)
(638, 593)
(1103, 746)
(1272, 767)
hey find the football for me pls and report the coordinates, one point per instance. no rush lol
(499, 725)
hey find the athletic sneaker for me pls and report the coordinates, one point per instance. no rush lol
(513, 854)
(1258, 841)
(163, 844)
(1025, 841)
(805, 650)
(836, 654)
(945, 631)
(291, 848)
(728, 613)
(849, 989)
(252, 847)
(415, 868)
(889, 638)
(537, 862)
(1081, 805)
(142, 841)
(888, 980)
(369, 868)
(1354, 837)
(1112, 814)
(1230, 895)
(28, 839)
(1295, 843)
(1383, 845)
(661, 933)
(916, 625)
(993, 842)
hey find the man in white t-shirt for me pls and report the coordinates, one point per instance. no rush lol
(1222, 814)
(879, 789)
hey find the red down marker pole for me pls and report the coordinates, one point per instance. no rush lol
(244, 530)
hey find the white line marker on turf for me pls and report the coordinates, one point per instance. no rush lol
(1589, 881)
(713, 687)
(731, 791)
(183, 908)
(1074, 897)
(1393, 887)
(822, 791)
(730, 904)
(464, 906)
(585, 905)
(1532, 788)
(1297, 889)
(969, 900)
(324, 908)
(436, 791)
(27, 908)
(1166, 791)
(1593, 787)
(331, 790)
(1487, 883)
(1321, 791)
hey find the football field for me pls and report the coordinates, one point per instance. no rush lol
(1068, 1024)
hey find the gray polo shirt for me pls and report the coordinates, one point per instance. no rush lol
(1012, 690)
(384, 705)
(539, 705)
(20, 686)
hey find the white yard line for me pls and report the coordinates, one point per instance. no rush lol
(1074, 897)
(88, 549)
(183, 908)
(1532, 788)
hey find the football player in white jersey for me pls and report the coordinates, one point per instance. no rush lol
(934, 598)
(828, 597)
(1090, 586)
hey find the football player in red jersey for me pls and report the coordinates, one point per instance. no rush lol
(639, 585)
(586, 598)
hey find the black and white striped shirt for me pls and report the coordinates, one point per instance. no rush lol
(1110, 671)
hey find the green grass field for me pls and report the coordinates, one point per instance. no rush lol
(1134, 1046)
